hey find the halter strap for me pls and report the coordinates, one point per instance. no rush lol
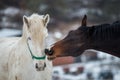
(34, 57)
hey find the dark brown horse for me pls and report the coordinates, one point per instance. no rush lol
(104, 37)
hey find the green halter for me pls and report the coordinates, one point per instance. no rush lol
(34, 57)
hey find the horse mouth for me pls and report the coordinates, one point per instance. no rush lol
(51, 58)
(40, 68)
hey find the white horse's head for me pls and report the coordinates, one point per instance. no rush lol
(35, 32)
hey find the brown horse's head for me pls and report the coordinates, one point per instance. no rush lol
(103, 37)
(71, 45)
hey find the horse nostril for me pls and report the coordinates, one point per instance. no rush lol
(44, 64)
(48, 52)
(51, 52)
(36, 66)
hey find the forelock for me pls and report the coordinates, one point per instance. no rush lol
(36, 16)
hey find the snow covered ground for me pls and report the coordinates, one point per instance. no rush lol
(92, 70)
(9, 32)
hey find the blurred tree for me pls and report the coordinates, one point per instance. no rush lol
(31, 5)
(111, 8)
(103, 10)
(97, 10)
(6, 3)
(56, 8)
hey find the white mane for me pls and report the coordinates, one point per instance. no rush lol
(16, 61)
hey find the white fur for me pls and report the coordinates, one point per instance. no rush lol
(16, 62)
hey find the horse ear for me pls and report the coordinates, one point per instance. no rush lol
(46, 19)
(25, 20)
(84, 21)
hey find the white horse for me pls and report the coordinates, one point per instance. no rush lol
(23, 58)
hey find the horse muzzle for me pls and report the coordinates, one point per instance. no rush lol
(49, 52)
(39, 67)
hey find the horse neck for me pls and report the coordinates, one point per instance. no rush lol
(110, 47)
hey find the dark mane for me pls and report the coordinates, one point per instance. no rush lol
(104, 31)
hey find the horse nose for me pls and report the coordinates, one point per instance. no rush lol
(36, 65)
(44, 64)
(40, 67)
(49, 52)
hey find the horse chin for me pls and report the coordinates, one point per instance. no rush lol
(40, 69)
